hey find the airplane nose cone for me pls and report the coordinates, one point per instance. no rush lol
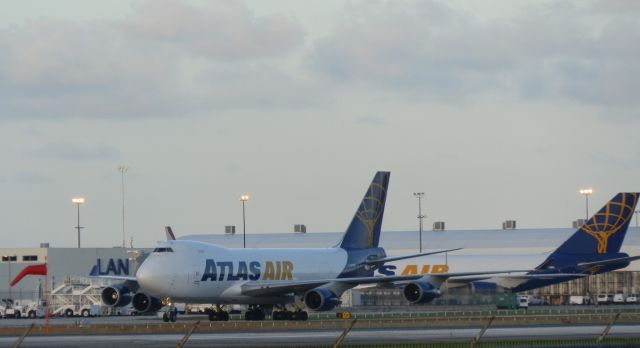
(143, 275)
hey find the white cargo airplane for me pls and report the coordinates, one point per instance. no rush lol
(198, 272)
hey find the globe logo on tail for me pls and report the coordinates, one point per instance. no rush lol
(370, 209)
(610, 219)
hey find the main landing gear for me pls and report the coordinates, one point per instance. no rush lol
(255, 312)
(218, 314)
(287, 315)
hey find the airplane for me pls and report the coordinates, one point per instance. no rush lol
(593, 248)
(263, 278)
(315, 278)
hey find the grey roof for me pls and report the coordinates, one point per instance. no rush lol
(534, 239)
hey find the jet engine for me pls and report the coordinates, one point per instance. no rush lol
(321, 299)
(145, 303)
(116, 295)
(420, 292)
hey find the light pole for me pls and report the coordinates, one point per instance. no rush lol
(10, 258)
(243, 199)
(586, 193)
(123, 169)
(77, 201)
(419, 195)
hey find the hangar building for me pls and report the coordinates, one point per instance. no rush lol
(67, 263)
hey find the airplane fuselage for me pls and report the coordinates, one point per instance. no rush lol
(207, 273)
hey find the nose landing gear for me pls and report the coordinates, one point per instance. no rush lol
(171, 313)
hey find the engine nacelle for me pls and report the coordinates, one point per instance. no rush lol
(145, 303)
(420, 292)
(116, 296)
(321, 299)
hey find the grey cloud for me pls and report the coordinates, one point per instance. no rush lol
(222, 30)
(77, 152)
(372, 120)
(147, 65)
(427, 47)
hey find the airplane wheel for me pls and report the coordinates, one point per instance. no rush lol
(32, 314)
(303, 315)
(17, 315)
(165, 317)
(173, 316)
(212, 316)
(249, 315)
(224, 316)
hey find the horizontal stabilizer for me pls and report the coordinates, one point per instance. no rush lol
(610, 262)
(548, 276)
(396, 258)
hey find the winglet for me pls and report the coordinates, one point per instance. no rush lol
(169, 232)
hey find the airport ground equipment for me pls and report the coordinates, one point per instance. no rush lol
(77, 297)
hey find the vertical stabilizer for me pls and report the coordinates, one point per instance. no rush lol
(364, 230)
(604, 232)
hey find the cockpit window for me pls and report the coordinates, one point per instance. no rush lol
(162, 250)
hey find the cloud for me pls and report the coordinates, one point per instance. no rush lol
(372, 120)
(221, 31)
(146, 65)
(551, 50)
(77, 152)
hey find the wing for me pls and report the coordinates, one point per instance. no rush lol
(617, 261)
(300, 286)
(396, 258)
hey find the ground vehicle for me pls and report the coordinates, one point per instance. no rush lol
(632, 299)
(523, 302)
(31, 310)
(74, 310)
(8, 310)
(604, 299)
(619, 298)
(579, 300)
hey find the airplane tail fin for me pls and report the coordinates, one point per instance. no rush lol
(169, 233)
(364, 230)
(604, 232)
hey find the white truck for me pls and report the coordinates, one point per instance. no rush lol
(16, 310)
(604, 299)
(70, 310)
(579, 300)
(523, 301)
(619, 298)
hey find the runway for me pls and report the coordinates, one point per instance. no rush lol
(324, 338)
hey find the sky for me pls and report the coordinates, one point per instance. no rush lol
(495, 110)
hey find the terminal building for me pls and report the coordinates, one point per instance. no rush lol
(66, 264)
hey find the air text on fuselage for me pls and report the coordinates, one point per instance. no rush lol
(247, 270)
